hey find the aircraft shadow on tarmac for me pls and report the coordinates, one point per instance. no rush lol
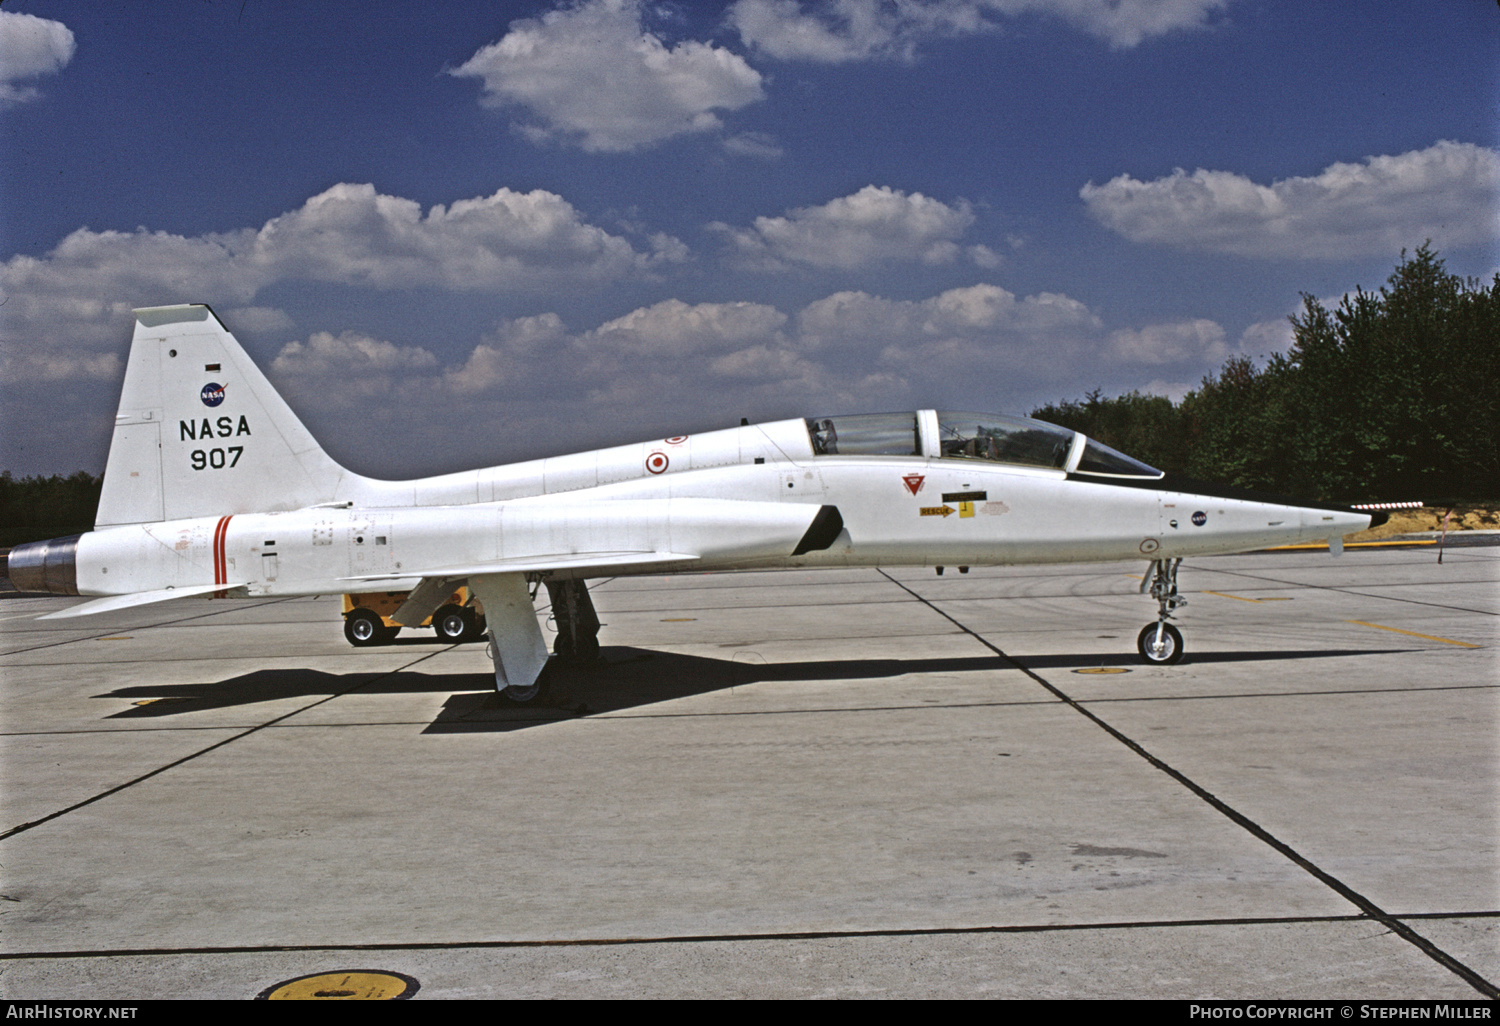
(621, 679)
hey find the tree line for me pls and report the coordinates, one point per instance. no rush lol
(1392, 395)
(37, 508)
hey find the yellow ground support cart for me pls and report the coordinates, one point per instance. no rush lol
(367, 618)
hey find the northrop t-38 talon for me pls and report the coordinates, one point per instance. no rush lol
(214, 488)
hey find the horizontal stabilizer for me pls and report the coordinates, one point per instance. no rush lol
(140, 598)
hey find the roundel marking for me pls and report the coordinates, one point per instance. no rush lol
(350, 985)
(657, 462)
(212, 394)
(1149, 545)
(676, 439)
(1200, 518)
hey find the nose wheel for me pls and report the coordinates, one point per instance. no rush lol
(1159, 643)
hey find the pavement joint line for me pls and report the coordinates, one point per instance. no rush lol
(1429, 637)
(1371, 910)
(21, 828)
(727, 938)
(1363, 594)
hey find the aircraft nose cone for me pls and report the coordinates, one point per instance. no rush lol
(1334, 523)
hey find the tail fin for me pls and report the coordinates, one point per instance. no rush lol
(201, 432)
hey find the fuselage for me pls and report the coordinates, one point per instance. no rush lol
(711, 498)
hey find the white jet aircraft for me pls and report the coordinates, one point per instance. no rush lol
(214, 488)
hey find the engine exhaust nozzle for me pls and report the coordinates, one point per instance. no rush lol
(50, 566)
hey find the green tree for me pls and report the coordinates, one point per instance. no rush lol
(36, 508)
(1393, 394)
(1397, 392)
(1237, 426)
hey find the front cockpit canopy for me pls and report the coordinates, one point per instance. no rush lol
(991, 437)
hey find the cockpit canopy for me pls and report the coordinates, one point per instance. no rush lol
(992, 437)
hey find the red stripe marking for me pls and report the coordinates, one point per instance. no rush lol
(221, 571)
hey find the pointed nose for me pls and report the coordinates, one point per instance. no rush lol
(1328, 523)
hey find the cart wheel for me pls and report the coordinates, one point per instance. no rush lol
(364, 628)
(451, 624)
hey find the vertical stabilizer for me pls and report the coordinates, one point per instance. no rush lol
(201, 432)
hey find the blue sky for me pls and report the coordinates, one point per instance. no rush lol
(464, 234)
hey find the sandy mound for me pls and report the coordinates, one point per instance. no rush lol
(1430, 518)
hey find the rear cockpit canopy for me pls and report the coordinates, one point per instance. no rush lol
(992, 437)
(866, 434)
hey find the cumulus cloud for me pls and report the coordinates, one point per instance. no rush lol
(978, 338)
(1449, 193)
(1198, 340)
(1266, 337)
(29, 47)
(77, 296)
(591, 75)
(840, 31)
(350, 351)
(873, 225)
(352, 234)
(976, 311)
(673, 329)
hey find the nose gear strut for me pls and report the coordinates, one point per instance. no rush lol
(1160, 643)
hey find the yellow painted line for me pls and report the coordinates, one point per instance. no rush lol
(1428, 637)
(1237, 598)
(1102, 669)
(1353, 545)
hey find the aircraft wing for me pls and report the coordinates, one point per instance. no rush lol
(602, 561)
(626, 534)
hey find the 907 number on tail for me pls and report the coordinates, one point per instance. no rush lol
(217, 459)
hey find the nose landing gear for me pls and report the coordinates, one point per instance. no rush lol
(1159, 643)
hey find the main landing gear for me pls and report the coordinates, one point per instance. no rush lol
(577, 623)
(517, 647)
(1160, 643)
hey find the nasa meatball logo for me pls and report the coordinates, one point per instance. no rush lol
(1200, 518)
(212, 394)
